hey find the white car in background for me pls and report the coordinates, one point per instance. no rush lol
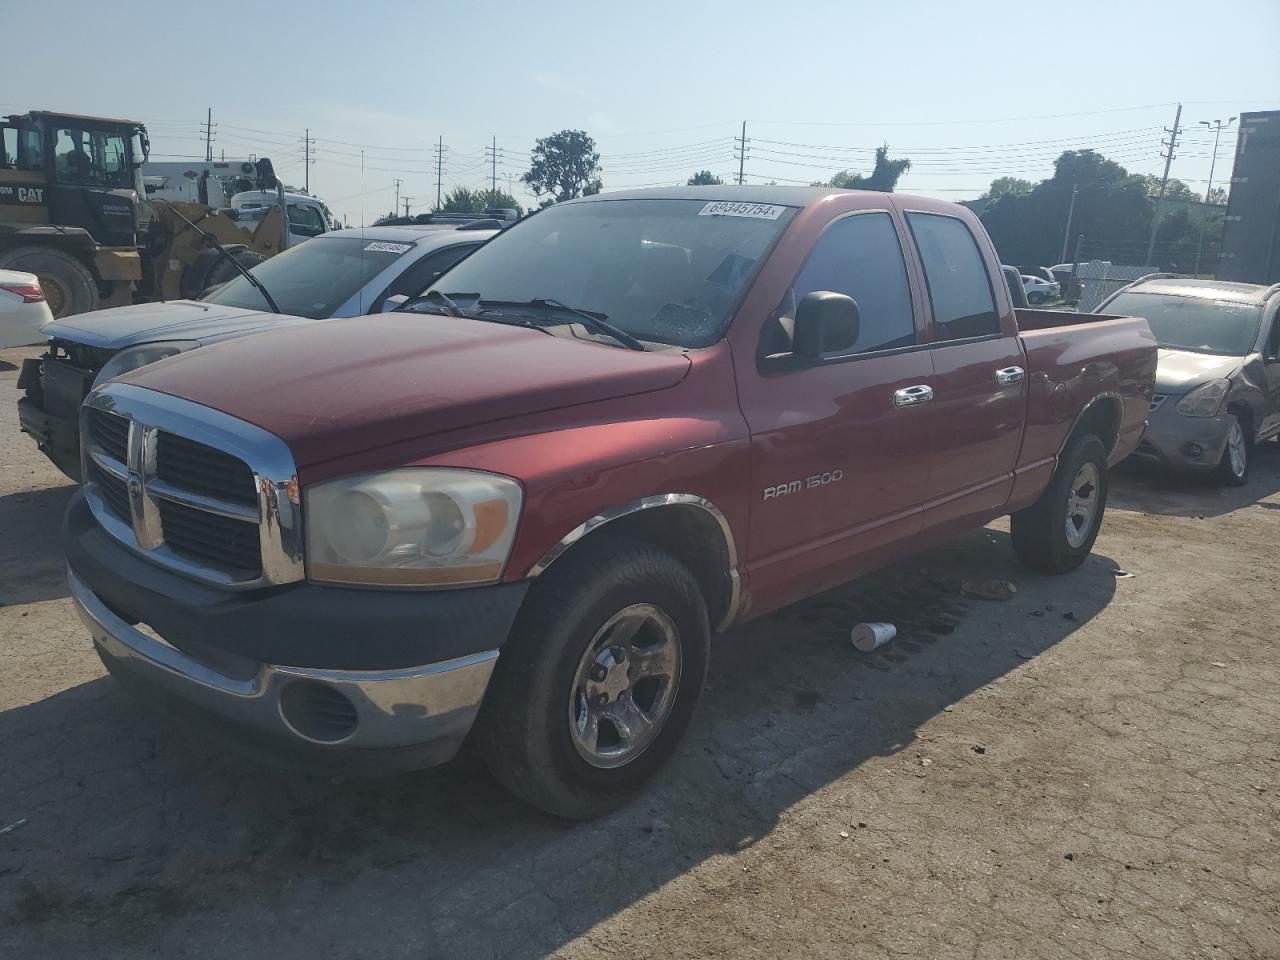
(22, 309)
(1040, 290)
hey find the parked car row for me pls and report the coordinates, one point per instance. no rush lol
(512, 509)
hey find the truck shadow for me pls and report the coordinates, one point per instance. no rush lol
(139, 831)
(1146, 488)
(32, 565)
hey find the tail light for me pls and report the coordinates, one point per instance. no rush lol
(29, 292)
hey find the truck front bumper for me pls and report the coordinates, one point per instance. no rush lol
(190, 649)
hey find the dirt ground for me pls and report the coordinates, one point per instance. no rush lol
(1088, 769)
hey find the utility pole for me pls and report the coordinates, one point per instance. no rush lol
(207, 129)
(307, 160)
(1216, 126)
(396, 206)
(440, 149)
(1071, 212)
(1172, 145)
(740, 151)
(406, 204)
(492, 156)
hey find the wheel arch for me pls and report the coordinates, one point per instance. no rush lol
(1103, 416)
(690, 527)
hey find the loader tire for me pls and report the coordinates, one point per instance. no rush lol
(69, 286)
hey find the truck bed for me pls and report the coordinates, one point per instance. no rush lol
(1073, 358)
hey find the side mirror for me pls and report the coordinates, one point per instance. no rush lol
(826, 323)
(394, 302)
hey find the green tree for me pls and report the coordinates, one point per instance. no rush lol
(1217, 196)
(1176, 190)
(1008, 187)
(705, 178)
(463, 200)
(884, 176)
(1112, 210)
(563, 166)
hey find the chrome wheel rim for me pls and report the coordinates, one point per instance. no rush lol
(625, 686)
(1237, 454)
(1082, 504)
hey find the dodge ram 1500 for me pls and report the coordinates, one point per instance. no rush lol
(516, 512)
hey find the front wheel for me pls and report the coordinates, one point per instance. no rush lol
(1056, 533)
(599, 680)
(1233, 470)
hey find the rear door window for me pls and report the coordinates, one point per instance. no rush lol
(860, 256)
(959, 287)
(422, 274)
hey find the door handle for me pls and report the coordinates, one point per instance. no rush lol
(1009, 375)
(910, 396)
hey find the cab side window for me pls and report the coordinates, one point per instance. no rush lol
(305, 220)
(959, 287)
(8, 147)
(420, 276)
(860, 256)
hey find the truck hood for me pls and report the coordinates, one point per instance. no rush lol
(1180, 371)
(337, 388)
(120, 327)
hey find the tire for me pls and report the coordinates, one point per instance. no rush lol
(1040, 532)
(222, 271)
(1233, 470)
(537, 697)
(1035, 299)
(68, 284)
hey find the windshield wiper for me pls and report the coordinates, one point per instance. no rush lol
(594, 322)
(445, 301)
(234, 262)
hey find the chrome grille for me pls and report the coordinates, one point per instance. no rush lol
(111, 434)
(230, 545)
(204, 470)
(115, 492)
(192, 488)
(1157, 400)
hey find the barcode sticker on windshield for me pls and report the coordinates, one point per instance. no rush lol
(383, 247)
(724, 208)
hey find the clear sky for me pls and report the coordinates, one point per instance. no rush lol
(968, 90)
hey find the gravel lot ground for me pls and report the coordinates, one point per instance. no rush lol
(1088, 769)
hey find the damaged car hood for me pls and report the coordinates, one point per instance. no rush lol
(1180, 371)
(340, 387)
(120, 327)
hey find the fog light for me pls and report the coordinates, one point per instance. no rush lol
(1193, 450)
(317, 712)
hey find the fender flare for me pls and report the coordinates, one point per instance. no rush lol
(649, 503)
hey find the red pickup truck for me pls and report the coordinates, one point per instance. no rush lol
(516, 510)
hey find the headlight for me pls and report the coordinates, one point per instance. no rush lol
(412, 527)
(1204, 401)
(132, 358)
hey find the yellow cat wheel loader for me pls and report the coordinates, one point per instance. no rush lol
(73, 211)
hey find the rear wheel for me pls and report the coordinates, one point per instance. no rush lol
(599, 680)
(1234, 467)
(69, 286)
(1056, 533)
